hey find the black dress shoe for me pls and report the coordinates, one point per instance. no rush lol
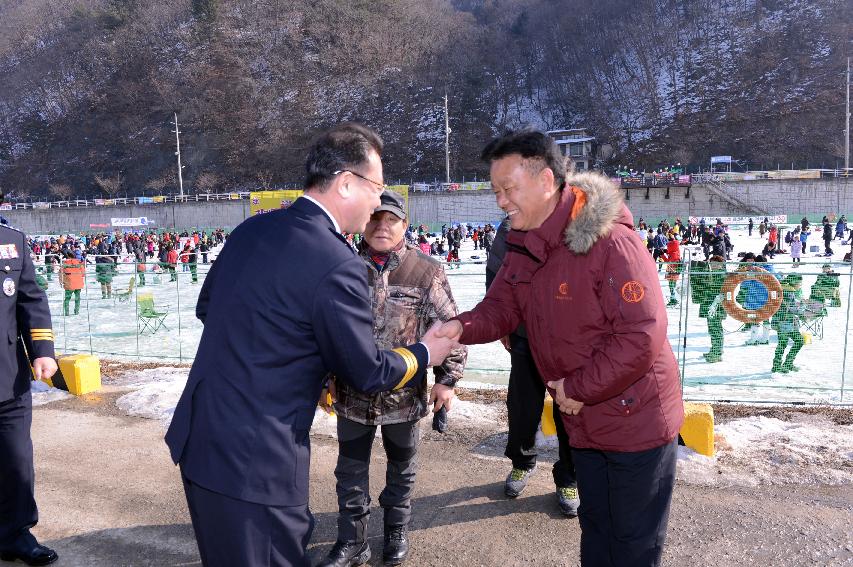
(28, 550)
(396, 545)
(346, 554)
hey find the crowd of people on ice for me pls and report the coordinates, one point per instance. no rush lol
(447, 244)
(708, 276)
(150, 251)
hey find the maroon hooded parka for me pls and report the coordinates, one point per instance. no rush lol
(587, 290)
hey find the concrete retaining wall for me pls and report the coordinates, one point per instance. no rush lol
(796, 197)
(214, 214)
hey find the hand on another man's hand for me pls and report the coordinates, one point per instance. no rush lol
(440, 341)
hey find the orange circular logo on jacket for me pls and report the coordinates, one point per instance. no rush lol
(564, 288)
(633, 291)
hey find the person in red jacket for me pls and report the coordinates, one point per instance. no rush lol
(172, 259)
(672, 257)
(581, 280)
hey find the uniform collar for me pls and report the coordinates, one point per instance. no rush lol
(325, 210)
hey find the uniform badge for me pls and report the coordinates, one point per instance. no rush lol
(633, 292)
(9, 287)
(8, 251)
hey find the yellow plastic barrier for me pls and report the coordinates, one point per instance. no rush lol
(698, 428)
(548, 426)
(78, 374)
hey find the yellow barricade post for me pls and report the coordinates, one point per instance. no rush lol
(78, 374)
(549, 428)
(698, 429)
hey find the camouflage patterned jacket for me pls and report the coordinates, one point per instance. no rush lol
(409, 295)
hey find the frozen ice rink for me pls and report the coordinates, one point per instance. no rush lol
(108, 327)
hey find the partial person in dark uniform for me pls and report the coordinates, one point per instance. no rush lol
(285, 304)
(25, 319)
(525, 400)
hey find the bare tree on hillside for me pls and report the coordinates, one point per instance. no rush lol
(206, 182)
(265, 179)
(109, 185)
(61, 190)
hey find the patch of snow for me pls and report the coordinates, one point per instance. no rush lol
(760, 450)
(155, 394)
(44, 394)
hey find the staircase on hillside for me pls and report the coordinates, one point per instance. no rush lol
(730, 195)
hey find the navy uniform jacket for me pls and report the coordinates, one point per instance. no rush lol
(285, 303)
(23, 311)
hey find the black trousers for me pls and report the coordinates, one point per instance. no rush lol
(524, 402)
(355, 441)
(18, 512)
(624, 508)
(233, 532)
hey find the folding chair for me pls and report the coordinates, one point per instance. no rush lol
(812, 316)
(149, 319)
(124, 296)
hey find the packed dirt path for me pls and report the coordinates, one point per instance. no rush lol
(109, 496)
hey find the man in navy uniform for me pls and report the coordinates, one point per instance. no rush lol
(25, 320)
(285, 305)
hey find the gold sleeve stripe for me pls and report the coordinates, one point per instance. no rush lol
(38, 335)
(411, 366)
(41, 330)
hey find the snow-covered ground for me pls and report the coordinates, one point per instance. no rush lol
(801, 448)
(109, 328)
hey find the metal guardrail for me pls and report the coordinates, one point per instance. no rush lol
(156, 200)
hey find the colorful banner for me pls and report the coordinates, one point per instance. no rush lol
(475, 186)
(403, 191)
(131, 221)
(160, 199)
(145, 200)
(266, 201)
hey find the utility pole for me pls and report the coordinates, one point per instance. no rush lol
(447, 137)
(178, 153)
(847, 129)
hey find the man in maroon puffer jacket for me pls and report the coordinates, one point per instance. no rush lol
(579, 277)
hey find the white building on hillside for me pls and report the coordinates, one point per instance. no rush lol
(577, 144)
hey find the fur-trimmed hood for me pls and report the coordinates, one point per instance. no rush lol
(598, 206)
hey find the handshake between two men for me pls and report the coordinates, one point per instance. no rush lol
(440, 340)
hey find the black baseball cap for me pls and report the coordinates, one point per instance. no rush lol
(393, 203)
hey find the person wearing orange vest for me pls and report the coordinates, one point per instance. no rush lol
(72, 281)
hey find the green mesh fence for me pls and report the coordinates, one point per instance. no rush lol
(738, 333)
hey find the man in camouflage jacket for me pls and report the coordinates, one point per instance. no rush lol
(408, 292)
